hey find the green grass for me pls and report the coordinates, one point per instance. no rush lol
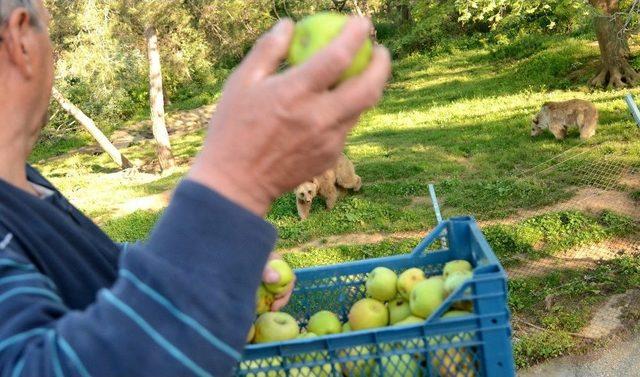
(460, 121)
(576, 294)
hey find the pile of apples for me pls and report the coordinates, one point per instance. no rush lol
(392, 299)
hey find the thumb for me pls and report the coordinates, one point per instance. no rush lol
(268, 52)
(270, 275)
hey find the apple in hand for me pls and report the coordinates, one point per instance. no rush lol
(426, 297)
(382, 284)
(275, 327)
(315, 32)
(399, 309)
(456, 266)
(286, 276)
(323, 323)
(407, 280)
(368, 313)
(264, 300)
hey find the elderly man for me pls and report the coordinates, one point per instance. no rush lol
(73, 303)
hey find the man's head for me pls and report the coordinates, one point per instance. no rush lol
(26, 66)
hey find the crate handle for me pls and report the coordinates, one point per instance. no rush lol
(430, 239)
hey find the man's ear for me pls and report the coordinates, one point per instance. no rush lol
(18, 40)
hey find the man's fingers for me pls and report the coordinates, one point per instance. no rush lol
(364, 91)
(268, 52)
(270, 276)
(324, 69)
(282, 301)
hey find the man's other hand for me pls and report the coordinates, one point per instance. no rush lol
(272, 131)
(271, 276)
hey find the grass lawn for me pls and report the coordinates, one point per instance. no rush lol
(461, 121)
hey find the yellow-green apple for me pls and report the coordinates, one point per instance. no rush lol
(346, 327)
(315, 32)
(323, 323)
(382, 284)
(426, 297)
(410, 320)
(399, 309)
(285, 274)
(275, 327)
(264, 300)
(456, 266)
(455, 280)
(455, 314)
(368, 313)
(252, 333)
(407, 280)
(306, 335)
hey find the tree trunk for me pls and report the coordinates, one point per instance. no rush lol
(90, 126)
(156, 99)
(366, 13)
(615, 70)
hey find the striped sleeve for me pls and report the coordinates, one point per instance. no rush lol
(181, 306)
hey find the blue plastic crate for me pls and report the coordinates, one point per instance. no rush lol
(469, 346)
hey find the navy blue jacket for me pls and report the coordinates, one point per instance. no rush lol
(73, 304)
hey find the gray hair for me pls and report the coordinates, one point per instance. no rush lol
(8, 6)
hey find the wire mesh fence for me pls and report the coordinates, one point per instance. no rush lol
(574, 261)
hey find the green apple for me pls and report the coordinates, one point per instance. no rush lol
(382, 284)
(426, 297)
(399, 309)
(346, 327)
(324, 323)
(368, 313)
(407, 280)
(276, 327)
(400, 366)
(315, 32)
(456, 266)
(455, 280)
(264, 300)
(455, 314)
(286, 276)
(252, 334)
(410, 320)
(306, 335)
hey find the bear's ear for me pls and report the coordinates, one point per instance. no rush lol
(316, 182)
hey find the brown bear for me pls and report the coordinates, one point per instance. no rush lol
(343, 176)
(557, 117)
